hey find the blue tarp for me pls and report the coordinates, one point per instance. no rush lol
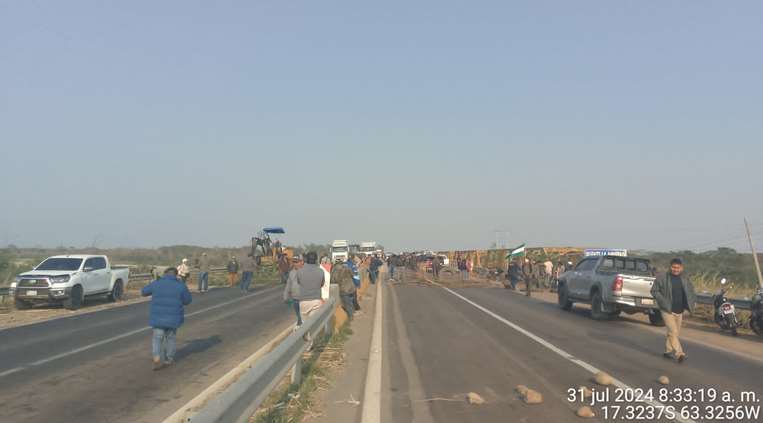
(274, 230)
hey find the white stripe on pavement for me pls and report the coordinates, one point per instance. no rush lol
(658, 405)
(372, 394)
(118, 337)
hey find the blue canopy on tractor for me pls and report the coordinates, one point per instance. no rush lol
(274, 230)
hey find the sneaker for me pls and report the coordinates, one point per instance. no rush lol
(169, 362)
(157, 364)
(668, 355)
(681, 358)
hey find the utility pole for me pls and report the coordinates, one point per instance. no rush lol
(754, 254)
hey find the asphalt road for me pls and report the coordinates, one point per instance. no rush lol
(96, 367)
(438, 347)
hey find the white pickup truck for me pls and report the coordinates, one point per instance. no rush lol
(68, 280)
(611, 284)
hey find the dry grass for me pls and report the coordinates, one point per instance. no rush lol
(295, 403)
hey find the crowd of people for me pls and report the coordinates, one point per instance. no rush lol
(306, 283)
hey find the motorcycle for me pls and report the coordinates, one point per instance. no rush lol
(756, 314)
(725, 313)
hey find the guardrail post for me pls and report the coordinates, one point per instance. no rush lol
(296, 372)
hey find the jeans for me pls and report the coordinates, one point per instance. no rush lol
(163, 344)
(203, 281)
(465, 275)
(373, 275)
(295, 305)
(284, 277)
(348, 304)
(246, 280)
(392, 272)
(514, 282)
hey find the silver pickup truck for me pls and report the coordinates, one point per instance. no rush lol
(611, 284)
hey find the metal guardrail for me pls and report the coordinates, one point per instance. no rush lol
(242, 398)
(742, 304)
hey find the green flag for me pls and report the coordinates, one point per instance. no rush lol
(519, 251)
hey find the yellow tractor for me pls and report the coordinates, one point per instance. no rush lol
(267, 251)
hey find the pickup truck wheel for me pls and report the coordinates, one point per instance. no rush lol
(563, 297)
(21, 305)
(655, 318)
(76, 298)
(116, 292)
(597, 305)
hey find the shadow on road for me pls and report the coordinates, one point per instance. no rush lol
(196, 346)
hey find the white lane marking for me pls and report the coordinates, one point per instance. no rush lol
(658, 405)
(372, 393)
(118, 337)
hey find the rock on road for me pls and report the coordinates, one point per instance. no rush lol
(439, 347)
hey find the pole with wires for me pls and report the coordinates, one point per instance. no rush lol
(754, 254)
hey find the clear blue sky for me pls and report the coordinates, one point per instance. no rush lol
(426, 124)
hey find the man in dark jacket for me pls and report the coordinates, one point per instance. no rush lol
(373, 268)
(342, 276)
(527, 275)
(674, 293)
(168, 298)
(514, 274)
(232, 271)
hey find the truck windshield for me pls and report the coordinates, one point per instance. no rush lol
(340, 249)
(367, 249)
(60, 264)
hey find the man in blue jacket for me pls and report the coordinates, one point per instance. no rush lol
(170, 295)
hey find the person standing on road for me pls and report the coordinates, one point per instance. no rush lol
(291, 290)
(436, 267)
(549, 268)
(203, 273)
(326, 288)
(169, 296)
(376, 264)
(248, 268)
(342, 276)
(184, 270)
(514, 274)
(527, 275)
(310, 279)
(461, 264)
(232, 271)
(391, 266)
(284, 267)
(355, 280)
(674, 293)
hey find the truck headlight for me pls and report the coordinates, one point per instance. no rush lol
(14, 284)
(17, 279)
(59, 279)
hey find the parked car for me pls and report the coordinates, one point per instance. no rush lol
(69, 280)
(611, 284)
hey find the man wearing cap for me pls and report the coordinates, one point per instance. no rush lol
(184, 271)
(232, 271)
(284, 267)
(674, 293)
(248, 267)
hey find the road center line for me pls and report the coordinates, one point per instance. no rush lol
(124, 335)
(555, 349)
(371, 412)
